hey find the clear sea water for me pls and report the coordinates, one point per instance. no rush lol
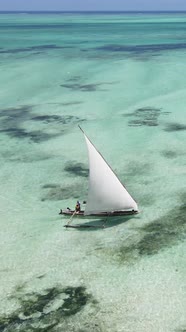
(121, 77)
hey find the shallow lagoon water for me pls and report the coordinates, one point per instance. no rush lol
(121, 78)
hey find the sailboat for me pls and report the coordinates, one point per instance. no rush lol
(107, 196)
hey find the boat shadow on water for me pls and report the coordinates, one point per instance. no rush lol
(97, 224)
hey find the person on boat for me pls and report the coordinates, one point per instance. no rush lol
(78, 207)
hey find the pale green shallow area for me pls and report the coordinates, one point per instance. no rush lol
(122, 79)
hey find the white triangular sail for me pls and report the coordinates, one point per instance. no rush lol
(106, 193)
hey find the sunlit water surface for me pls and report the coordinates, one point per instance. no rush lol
(121, 78)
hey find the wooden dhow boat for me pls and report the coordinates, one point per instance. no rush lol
(107, 196)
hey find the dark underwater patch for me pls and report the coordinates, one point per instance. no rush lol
(50, 185)
(35, 136)
(134, 168)
(50, 46)
(47, 118)
(74, 78)
(172, 127)
(15, 114)
(38, 312)
(153, 242)
(66, 119)
(74, 83)
(80, 87)
(12, 124)
(146, 116)
(77, 169)
(23, 157)
(15, 132)
(68, 103)
(141, 49)
(33, 48)
(162, 233)
(36, 26)
(170, 154)
(12, 119)
(72, 103)
(58, 192)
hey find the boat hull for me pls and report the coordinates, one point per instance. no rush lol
(69, 212)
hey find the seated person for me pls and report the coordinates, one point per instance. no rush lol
(78, 207)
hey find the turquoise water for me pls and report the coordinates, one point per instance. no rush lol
(121, 78)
